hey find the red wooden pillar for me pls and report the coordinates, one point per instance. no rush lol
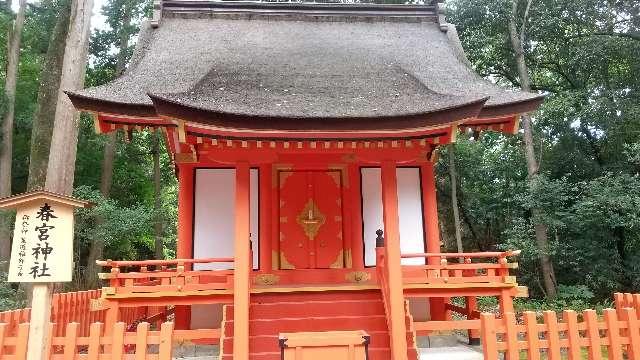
(398, 329)
(185, 231)
(432, 231)
(242, 265)
(357, 239)
(275, 217)
(265, 175)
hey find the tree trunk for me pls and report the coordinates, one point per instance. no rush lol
(110, 145)
(542, 241)
(42, 127)
(454, 198)
(157, 204)
(64, 141)
(96, 248)
(6, 136)
(108, 157)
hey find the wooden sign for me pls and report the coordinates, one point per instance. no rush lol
(42, 249)
(335, 345)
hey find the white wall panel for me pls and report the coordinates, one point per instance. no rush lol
(409, 211)
(371, 212)
(214, 223)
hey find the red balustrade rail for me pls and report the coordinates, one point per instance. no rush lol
(78, 307)
(626, 300)
(65, 308)
(382, 280)
(465, 269)
(570, 338)
(132, 278)
(141, 343)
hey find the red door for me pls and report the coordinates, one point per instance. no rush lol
(311, 219)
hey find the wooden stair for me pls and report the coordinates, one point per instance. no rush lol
(274, 313)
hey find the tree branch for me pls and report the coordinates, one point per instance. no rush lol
(632, 36)
(524, 20)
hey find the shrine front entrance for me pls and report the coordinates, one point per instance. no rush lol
(310, 219)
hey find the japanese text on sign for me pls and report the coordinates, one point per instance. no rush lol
(43, 252)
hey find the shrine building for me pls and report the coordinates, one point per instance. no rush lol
(304, 137)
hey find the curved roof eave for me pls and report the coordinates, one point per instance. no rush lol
(512, 108)
(87, 103)
(169, 108)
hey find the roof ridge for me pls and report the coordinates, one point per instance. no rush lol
(295, 9)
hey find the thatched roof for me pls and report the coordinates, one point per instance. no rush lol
(301, 66)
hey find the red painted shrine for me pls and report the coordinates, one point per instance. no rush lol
(304, 138)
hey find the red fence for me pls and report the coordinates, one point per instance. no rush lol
(77, 307)
(65, 308)
(143, 344)
(611, 338)
(626, 300)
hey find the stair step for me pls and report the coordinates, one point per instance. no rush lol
(257, 356)
(374, 354)
(266, 343)
(305, 296)
(273, 313)
(334, 323)
(303, 309)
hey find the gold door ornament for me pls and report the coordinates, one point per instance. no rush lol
(311, 219)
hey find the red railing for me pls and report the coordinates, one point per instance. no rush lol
(439, 268)
(129, 278)
(78, 307)
(626, 300)
(382, 280)
(65, 308)
(617, 337)
(140, 344)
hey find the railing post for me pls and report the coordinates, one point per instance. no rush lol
(166, 342)
(471, 304)
(489, 336)
(396, 315)
(633, 332)
(593, 335)
(553, 335)
(379, 248)
(570, 318)
(613, 331)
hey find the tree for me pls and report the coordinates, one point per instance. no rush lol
(43, 119)
(581, 137)
(122, 11)
(517, 39)
(157, 200)
(6, 134)
(62, 154)
(454, 196)
(120, 14)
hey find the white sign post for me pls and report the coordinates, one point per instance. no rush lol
(41, 253)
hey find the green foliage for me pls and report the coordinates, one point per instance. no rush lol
(577, 298)
(583, 55)
(11, 297)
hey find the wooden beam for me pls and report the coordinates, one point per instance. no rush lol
(242, 265)
(40, 319)
(431, 229)
(357, 242)
(185, 230)
(398, 329)
(265, 178)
